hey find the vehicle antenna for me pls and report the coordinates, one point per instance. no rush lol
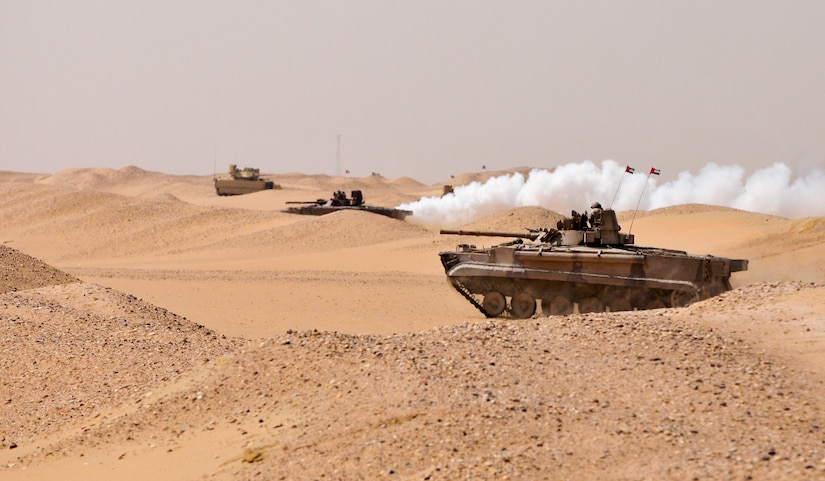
(653, 171)
(628, 170)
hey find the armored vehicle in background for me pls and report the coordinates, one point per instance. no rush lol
(242, 181)
(590, 266)
(340, 201)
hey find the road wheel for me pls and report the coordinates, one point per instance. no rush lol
(682, 298)
(557, 306)
(620, 304)
(591, 304)
(655, 304)
(494, 303)
(523, 306)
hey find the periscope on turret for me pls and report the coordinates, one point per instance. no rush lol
(584, 264)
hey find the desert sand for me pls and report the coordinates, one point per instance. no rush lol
(150, 329)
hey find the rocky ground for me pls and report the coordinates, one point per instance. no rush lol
(642, 395)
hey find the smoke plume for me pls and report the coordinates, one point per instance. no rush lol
(774, 190)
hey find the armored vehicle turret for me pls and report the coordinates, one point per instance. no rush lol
(583, 263)
(242, 181)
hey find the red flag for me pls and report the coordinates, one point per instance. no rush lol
(629, 169)
(655, 171)
(483, 167)
(347, 171)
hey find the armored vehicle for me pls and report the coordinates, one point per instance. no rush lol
(340, 201)
(241, 181)
(591, 266)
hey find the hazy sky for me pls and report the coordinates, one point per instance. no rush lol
(414, 88)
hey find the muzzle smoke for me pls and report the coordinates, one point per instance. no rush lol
(774, 190)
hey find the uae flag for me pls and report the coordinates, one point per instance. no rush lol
(655, 171)
(629, 169)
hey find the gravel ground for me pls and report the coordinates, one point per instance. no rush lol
(69, 349)
(640, 395)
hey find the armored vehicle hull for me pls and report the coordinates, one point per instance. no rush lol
(242, 181)
(339, 202)
(240, 187)
(591, 269)
(325, 209)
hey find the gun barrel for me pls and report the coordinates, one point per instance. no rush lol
(519, 235)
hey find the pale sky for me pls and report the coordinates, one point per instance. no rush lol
(423, 89)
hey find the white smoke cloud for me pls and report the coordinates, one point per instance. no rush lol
(774, 190)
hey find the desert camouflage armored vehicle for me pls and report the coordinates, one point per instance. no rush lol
(340, 201)
(241, 181)
(591, 266)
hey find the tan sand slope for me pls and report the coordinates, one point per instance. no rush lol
(777, 248)
(403, 378)
(516, 220)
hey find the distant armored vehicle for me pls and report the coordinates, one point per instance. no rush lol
(340, 201)
(594, 267)
(242, 181)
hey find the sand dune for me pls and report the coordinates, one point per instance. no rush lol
(150, 328)
(777, 248)
(517, 220)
